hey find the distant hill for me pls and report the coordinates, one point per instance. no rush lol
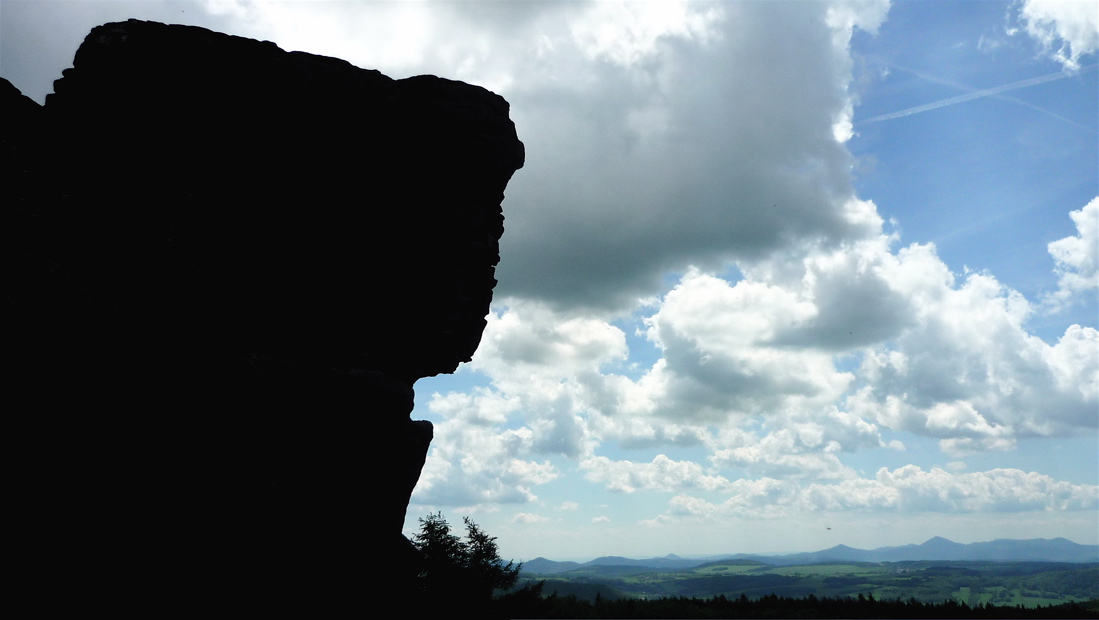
(938, 548)
(667, 562)
(935, 549)
(548, 567)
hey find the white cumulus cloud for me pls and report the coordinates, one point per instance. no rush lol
(966, 369)
(937, 490)
(662, 474)
(474, 461)
(719, 344)
(1077, 257)
(905, 489)
(1066, 29)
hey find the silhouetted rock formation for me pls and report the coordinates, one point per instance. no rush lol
(231, 264)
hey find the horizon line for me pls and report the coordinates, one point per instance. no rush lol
(781, 554)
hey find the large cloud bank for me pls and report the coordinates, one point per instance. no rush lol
(707, 142)
(687, 269)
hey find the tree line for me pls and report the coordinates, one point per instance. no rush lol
(811, 606)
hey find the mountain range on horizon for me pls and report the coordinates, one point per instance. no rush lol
(934, 549)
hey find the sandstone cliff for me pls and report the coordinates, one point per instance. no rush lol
(232, 263)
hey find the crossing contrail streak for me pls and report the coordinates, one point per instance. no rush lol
(977, 94)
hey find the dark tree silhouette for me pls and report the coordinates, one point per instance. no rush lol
(483, 561)
(441, 549)
(465, 573)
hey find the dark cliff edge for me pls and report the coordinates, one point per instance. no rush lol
(228, 266)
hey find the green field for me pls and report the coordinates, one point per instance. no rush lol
(1029, 584)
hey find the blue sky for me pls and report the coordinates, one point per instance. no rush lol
(771, 267)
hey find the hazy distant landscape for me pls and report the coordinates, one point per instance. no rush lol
(937, 548)
(1029, 573)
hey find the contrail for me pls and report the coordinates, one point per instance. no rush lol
(1001, 97)
(977, 94)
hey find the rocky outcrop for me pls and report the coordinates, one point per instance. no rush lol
(232, 264)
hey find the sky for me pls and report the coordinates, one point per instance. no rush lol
(776, 276)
